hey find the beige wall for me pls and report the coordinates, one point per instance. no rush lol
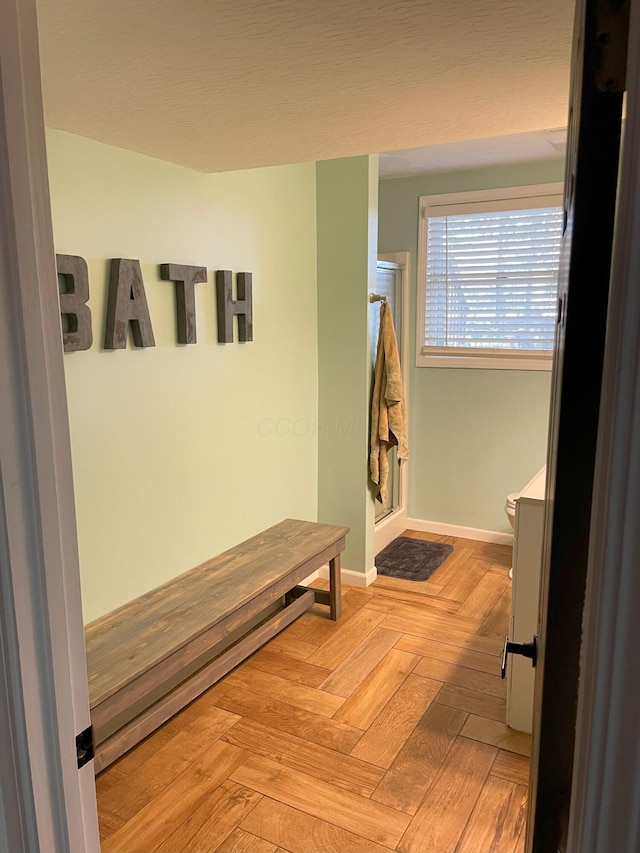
(180, 452)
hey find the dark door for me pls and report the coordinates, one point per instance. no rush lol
(590, 192)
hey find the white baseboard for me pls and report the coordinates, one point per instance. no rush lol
(353, 578)
(348, 577)
(457, 530)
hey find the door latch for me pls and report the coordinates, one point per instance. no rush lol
(527, 650)
(85, 749)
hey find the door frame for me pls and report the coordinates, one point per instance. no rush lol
(579, 422)
(605, 805)
(41, 645)
(47, 803)
(395, 523)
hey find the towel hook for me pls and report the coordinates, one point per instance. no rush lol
(375, 297)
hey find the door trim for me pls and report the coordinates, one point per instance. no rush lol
(394, 524)
(42, 641)
(605, 807)
(591, 182)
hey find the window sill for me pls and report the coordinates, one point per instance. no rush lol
(484, 362)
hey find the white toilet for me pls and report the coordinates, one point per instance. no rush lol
(510, 508)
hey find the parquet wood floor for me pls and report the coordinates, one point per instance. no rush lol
(384, 731)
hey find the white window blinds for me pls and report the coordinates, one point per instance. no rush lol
(491, 282)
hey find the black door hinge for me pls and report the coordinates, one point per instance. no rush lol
(85, 750)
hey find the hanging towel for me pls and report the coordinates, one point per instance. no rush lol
(388, 422)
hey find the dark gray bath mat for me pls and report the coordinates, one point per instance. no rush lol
(411, 559)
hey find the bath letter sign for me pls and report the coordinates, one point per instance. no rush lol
(127, 303)
(185, 278)
(228, 307)
(73, 284)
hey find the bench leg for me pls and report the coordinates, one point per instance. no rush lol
(335, 583)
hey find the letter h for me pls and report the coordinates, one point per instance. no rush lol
(228, 307)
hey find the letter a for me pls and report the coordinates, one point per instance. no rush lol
(127, 306)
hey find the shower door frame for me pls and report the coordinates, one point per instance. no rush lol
(395, 523)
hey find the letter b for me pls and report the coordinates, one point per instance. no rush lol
(73, 284)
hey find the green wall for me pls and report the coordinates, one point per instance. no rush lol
(347, 202)
(180, 452)
(474, 435)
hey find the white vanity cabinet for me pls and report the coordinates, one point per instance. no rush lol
(527, 560)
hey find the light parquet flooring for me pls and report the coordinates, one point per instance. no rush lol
(381, 732)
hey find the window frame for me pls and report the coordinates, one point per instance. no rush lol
(476, 201)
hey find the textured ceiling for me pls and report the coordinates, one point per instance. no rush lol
(548, 144)
(233, 84)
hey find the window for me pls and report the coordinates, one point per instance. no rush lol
(488, 276)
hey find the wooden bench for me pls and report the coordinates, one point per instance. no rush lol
(154, 655)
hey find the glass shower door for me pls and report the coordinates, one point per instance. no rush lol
(389, 285)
